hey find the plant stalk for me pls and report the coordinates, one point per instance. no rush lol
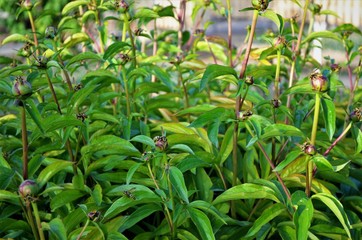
(296, 52)
(340, 137)
(24, 137)
(125, 81)
(83, 229)
(37, 219)
(31, 219)
(309, 168)
(32, 24)
(238, 104)
(230, 33)
(53, 91)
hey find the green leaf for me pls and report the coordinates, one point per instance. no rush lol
(268, 214)
(276, 18)
(34, 114)
(207, 207)
(329, 114)
(144, 139)
(175, 128)
(79, 97)
(55, 122)
(322, 163)
(226, 145)
(347, 27)
(145, 13)
(57, 228)
(208, 117)
(47, 173)
(202, 223)
(246, 191)
(300, 89)
(357, 135)
(321, 34)
(291, 156)
(178, 182)
(189, 139)
(196, 109)
(83, 56)
(337, 208)
(213, 71)
(303, 214)
(115, 48)
(108, 145)
(131, 171)
(281, 130)
(16, 37)
(9, 196)
(138, 215)
(74, 4)
(97, 195)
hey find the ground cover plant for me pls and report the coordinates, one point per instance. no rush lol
(177, 134)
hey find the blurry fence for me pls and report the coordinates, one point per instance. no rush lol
(349, 11)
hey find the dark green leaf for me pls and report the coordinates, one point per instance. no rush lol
(268, 214)
(303, 215)
(57, 228)
(213, 71)
(202, 223)
(281, 130)
(208, 117)
(83, 56)
(47, 173)
(329, 114)
(246, 191)
(138, 215)
(115, 48)
(178, 182)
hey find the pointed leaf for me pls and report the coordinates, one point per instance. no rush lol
(329, 114)
(281, 130)
(268, 214)
(321, 34)
(208, 117)
(115, 48)
(47, 173)
(337, 208)
(213, 71)
(246, 191)
(83, 56)
(74, 4)
(178, 182)
(276, 18)
(202, 223)
(57, 228)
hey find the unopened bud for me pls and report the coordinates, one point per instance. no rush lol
(276, 103)
(280, 42)
(249, 80)
(309, 149)
(356, 115)
(28, 188)
(318, 81)
(50, 32)
(260, 5)
(161, 142)
(22, 89)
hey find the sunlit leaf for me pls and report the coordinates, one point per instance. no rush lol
(213, 71)
(178, 182)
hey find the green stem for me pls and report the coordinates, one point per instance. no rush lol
(53, 91)
(83, 229)
(277, 75)
(32, 24)
(221, 176)
(296, 52)
(37, 219)
(173, 229)
(24, 137)
(125, 81)
(130, 33)
(309, 168)
(67, 78)
(31, 219)
(238, 104)
(186, 97)
(230, 46)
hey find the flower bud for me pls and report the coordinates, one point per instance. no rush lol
(335, 67)
(28, 188)
(356, 115)
(309, 149)
(260, 5)
(319, 82)
(245, 115)
(316, 8)
(280, 42)
(138, 31)
(27, 4)
(22, 88)
(249, 80)
(50, 32)
(161, 142)
(94, 215)
(276, 103)
(123, 5)
(41, 62)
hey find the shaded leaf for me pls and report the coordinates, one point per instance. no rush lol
(281, 130)
(57, 228)
(202, 223)
(213, 71)
(178, 182)
(329, 114)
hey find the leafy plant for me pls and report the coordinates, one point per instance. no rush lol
(175, 134)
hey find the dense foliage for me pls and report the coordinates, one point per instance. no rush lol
(175, 134)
